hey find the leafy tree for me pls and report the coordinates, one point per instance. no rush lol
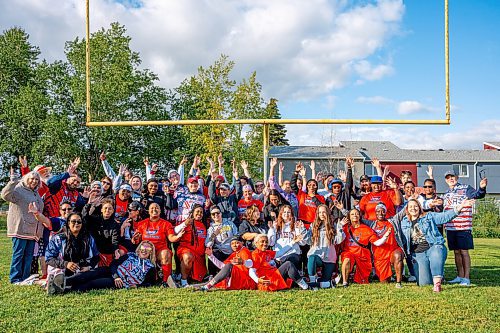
(277, 132)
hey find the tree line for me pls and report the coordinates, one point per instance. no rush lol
(42, 108)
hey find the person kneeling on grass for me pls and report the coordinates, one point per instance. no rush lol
(264, 271)
(191, 251)
(355, 252)
(233, 274)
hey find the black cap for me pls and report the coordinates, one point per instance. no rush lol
(364, 177)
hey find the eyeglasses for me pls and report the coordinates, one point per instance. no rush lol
(67, 209)
(75, 221)
(428, 186)
(215, 213)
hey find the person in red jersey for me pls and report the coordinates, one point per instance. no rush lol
(388, 254)
(159, 232)
(264, 271)
(391, 198)
(247, 200)
(192, 234)
(355, 252)
(233, 274)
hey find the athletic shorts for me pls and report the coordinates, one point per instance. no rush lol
(460, 239)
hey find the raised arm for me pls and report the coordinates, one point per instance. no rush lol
(108, 170)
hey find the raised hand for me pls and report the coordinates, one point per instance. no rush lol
(123, 168)
(102, 157)
(210, 162)
(244, 164)
(282, 166)
(146, 161)
(349, 162)
(375, 162)
(344, 221)
(220, 159)
(273, 162)
(312, 165)
(465, 203)
(86, 192)
(430, 171)
(338, 204)
(196, 161)
(23, 161)
(298, 167)
(154, 167)
(33, 208)
(184, 160)
(303, 172)
(391, 183)
(483, 183)
(76, 162)
(71, 170)
(342, 176)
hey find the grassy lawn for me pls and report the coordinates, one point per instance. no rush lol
(375, 307)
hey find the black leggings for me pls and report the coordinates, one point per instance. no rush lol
(212, 269)
(288, 270)
(224, 273)
(99, 278)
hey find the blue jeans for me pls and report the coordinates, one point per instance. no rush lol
(327, 267)
(429, 264)
(22, 255)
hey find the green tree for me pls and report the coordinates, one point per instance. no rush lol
(277, 132)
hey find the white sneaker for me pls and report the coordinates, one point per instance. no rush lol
(30, 280)
(465, 282)
(411, 278)
(458, 279)
(337, 279)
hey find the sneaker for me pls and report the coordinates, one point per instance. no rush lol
(411, 278)
(399, 285)
(56, 284)
(345, 285)
(458, 279)
(337, 279)
(30, 280)
(170, 283)
(437, 287)
(465, 282)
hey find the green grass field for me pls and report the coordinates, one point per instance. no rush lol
(371, 308)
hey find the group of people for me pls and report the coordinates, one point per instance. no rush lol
(233, 232)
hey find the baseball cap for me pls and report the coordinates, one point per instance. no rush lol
(364, 177)
(225, 186)
(449, 173)
(126, 187)
(193, 180)
(334, 181)
(376, 179)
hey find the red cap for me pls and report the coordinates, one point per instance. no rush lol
(193, 180)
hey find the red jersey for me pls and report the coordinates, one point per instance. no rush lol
(156, 232)
(243, 205)
(384, 251)
(307, 207)
(265, 270)
(240, 279)
(359, 255)
(121, 206)
(195, 243)
(369, 202)
(52, 202)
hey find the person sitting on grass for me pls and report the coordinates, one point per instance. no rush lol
(159, 232)
(191, 251)
(233, 274)
(264, 271)
(323, 235)
(425, 242)
(355, 252)
(70, 253)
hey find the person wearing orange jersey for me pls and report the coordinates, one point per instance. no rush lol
(159, 232)
(355, 252)
(247, 201)
(388, 254)
(192, 234)
(391, 198)
(264, 271)
(233, 274)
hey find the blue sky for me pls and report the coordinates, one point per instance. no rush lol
(321, 59)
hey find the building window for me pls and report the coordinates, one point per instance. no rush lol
(462, 170)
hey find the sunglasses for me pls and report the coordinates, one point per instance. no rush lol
(66, 209)
(75, 221)
(215, 213)
(106, 183)
(427, 186)
(146, 248)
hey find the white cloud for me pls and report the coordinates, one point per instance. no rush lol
(412, 107)
(300, 49)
